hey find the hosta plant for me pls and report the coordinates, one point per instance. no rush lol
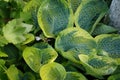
(57, 40)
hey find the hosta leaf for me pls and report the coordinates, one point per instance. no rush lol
(74, 76)
(52, 71)
(98, 66)
(13, 73)
(74, 4)
(73, 41)
(15, 31)
(54, 16)
(110, 43)
(48, 53)
(114, 77)
(89, 13)
(35, 56)
(103, 29)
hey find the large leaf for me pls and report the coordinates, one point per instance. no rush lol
(103, 29)
(89, 13)
(13, 73)
(110, 43)
(52, 71)
(15, 31)
(98, 66)
(74, 76)
(73, 41)
(54, 16)
(38, 55)
(74, 4)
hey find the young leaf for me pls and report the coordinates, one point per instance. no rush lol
(110, 43)
(15, 31)
(54, 16)
(89, 13)
(103, 29)
(74, 76)
(73, 41)
(98, 66)
(13, 73)
(38, 55)
(52, 71)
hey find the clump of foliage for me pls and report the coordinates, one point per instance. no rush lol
(57, 40)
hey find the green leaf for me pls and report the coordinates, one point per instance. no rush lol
(15, 31)
(3, 41)
(2, 65)
(35, 56)
(74, 4)
(114, 77)
(28, 76)
(110, 43)
(103, 29)
(73, 41)
(31, 5)
(89, 13)
(54, 16)
(74, 76)
(98, 66)
(3, 76)
(29, 38)
(48, 53)
(13, 73)
(12, 52)
(52, 71)
(2, 54)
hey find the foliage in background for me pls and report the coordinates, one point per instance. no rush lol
(57, 40)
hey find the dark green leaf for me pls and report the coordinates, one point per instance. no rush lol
(89, 13)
